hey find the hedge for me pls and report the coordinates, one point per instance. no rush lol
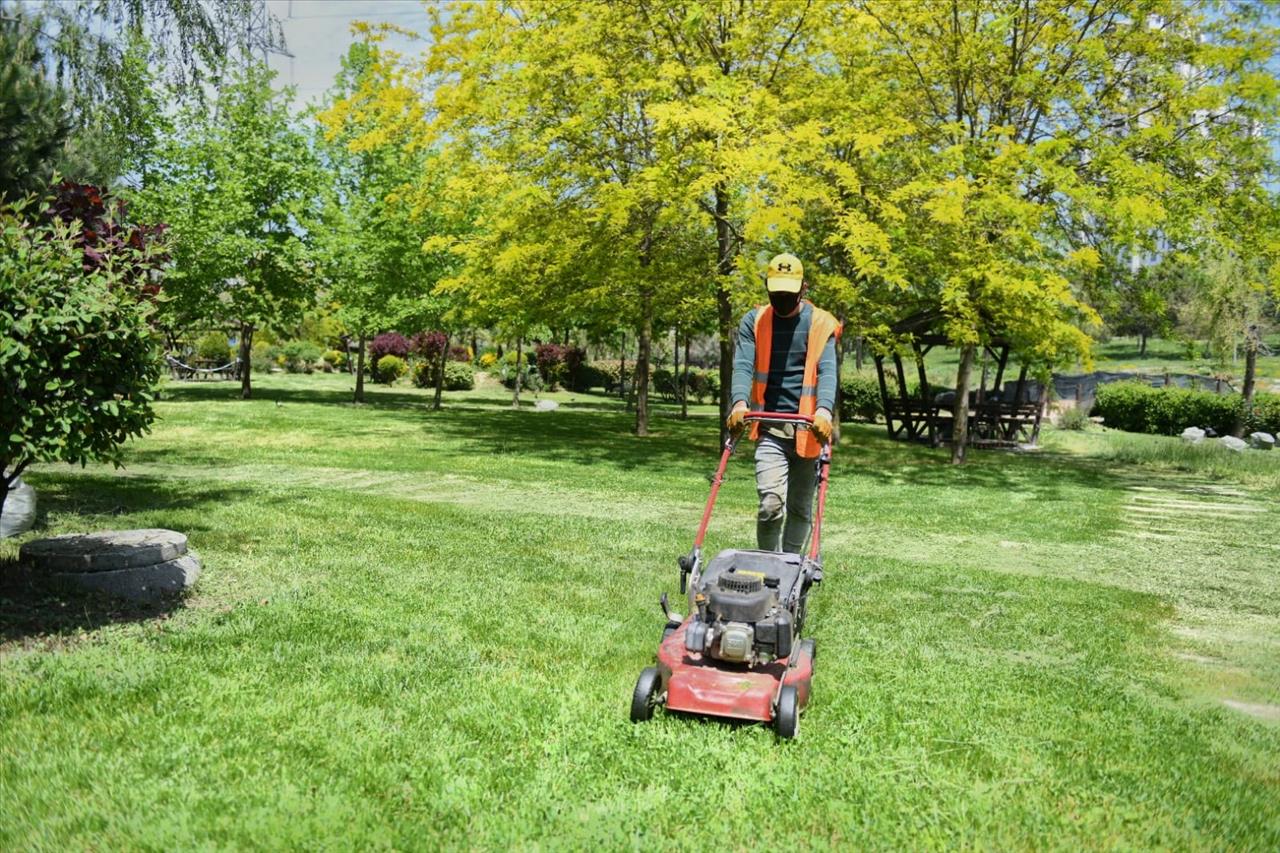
(860, 398)
(1137, 407)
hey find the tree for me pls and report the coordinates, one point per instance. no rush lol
(78, 358)
(977, 188)
(237, 188)
(33, 119)
(369, 243)
(730, 71)
(109, 57)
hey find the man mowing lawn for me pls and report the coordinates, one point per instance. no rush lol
(785, 362)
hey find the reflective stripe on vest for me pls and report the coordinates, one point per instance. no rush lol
(822, 327)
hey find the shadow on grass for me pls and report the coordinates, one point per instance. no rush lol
(35, 610)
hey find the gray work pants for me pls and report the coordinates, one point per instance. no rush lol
(785, 482)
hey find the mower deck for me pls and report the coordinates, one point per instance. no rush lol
(696, 684)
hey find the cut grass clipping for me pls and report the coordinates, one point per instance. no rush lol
(421, 629)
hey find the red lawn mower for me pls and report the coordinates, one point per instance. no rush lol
(739, 654)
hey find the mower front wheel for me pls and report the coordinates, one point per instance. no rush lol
(787, 719)
(645, 697)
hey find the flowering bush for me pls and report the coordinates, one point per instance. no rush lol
(460, 353)
(488, 360)
(388, 343)
(550, 361)
(429, 345)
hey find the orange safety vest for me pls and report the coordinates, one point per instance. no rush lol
(821, 328)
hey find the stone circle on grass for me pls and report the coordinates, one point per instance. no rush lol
(139, 565)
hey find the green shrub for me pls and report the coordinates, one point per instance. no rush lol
(590, 375)
(424, 374)
(860, 398)
(529, 378)
(389, 368)
(459, 376)
(1073, 418)
(1265, 416)
(1136, 407)
(300, 356)
(335, 358)
(704, 384)
(213, 346)
(262, 357)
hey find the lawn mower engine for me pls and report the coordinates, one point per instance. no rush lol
(748, 606)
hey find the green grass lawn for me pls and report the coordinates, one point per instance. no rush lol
(420, 629)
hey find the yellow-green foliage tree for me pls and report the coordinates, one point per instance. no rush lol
(370, 234)
(583, 212)
(980, 146)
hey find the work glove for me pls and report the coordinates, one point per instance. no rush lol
(737, 418)
(821, 427)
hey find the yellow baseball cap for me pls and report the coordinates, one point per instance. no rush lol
(785, 275)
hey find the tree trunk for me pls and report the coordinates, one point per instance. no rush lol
(246, 347)
(1142, 344)
(642, 367)
(622, 368)
(857, 353)
(684, 383)
(675, 360)
(724, 269)
(960, 414)
(435, 404)
(359, 395)
(1250, 378)
(475, 347)
(515, 399)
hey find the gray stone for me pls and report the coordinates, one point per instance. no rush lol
(104, 551)
(1193, 435)
(142, 583)
(546, 405)
(19, 511)
(1262, 440)
(1230, 442)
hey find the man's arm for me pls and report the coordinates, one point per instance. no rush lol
(744, 360)
(828, 376)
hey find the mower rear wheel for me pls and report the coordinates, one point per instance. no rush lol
(645, 697)
(787, 720)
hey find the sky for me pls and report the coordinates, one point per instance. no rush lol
(317, 33)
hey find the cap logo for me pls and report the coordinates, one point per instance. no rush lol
(784, 267)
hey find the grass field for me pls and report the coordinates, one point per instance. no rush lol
(420, 629)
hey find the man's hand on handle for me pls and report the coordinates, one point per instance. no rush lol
(821, 428)
(737, 418)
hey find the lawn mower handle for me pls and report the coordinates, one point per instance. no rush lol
(689, 562)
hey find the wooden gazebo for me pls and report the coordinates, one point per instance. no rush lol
(998, 416)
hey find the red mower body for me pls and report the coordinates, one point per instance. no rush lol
(696, 684)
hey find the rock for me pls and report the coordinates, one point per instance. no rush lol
(1193, 435)
(1210, 432)
(19, 509)
(104, 551)
(546, 405)
(1262, 440)
(142, 583)
(1232, 443)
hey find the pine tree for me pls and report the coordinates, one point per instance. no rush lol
(33, 119)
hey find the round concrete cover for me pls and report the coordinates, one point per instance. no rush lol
(104, 551)
(146, 583)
